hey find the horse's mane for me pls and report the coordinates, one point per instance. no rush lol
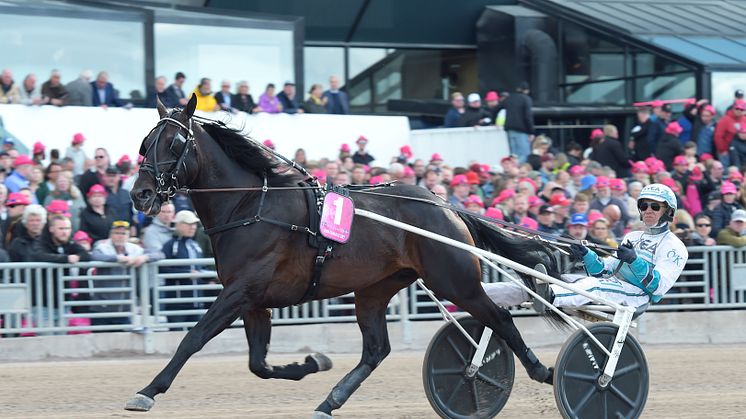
(247, 153)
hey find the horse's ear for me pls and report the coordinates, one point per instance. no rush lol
(191, 106)
(159, 105)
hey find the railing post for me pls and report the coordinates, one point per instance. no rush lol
(406, 325)
(146, 320)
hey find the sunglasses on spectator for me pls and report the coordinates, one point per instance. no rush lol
(643, 206)
(100, 157)
(704, 225)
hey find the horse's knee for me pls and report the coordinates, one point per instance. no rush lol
(260, 369)
(375, 357)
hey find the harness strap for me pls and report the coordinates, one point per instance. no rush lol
(318, 267)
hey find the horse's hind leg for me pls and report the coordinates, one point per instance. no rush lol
(221, 314)
(258, 326)
(370, 308)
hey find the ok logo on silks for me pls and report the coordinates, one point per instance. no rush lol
(336, 217)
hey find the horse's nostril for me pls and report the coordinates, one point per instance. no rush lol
(145, 194)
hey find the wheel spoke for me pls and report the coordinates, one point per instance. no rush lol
(580, 377)
(456, 350)
(454, 392)
(491, 381)
(584, 401)
(475, 394)
(447, 371)
(626, 370)
(623, 397)
(605, 404)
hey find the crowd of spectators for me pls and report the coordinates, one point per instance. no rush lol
(84, 91)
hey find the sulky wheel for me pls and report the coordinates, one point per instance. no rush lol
(579, 365)
(450, 390)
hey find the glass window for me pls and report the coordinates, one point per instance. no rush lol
(724, 85)
(322, 62)
(589, 56)
(39, 44)
(601, 92)
(673, 86)
(259, 56)
(363, 58)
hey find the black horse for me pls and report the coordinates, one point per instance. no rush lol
(264, 265)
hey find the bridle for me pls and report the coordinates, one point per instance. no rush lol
(167, 181)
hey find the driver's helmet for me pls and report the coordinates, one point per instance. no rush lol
(660, 193)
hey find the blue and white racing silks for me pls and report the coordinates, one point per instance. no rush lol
(661, 258)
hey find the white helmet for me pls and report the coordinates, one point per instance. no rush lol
(660, 193)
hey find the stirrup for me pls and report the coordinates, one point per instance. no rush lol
(542, 288)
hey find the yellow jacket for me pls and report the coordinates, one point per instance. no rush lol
(205, 103)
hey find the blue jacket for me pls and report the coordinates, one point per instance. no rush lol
(110, 96)
(337, 102)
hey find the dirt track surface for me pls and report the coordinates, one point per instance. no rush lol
(686, 382)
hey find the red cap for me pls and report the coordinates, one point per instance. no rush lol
(124, 159)
(705, 157)
(495, 213)
(594, 215)
(696, 174)
(17, 198)
(504, 194)
(97, 189)
(740, 104)
(474, 199)
(406, 151)
(617, 184)
(506, 158)
(728, 187)
(680, 160)
(491, 95)
(22, 159)
(38, 148)
(459, 180)
(59, 206)
(602, 181)
(78, 138)
(529, 222)
(674, 128)
(82, 235)
(362, 140)
(559, 199)
(269, 144)
(345, 148)
(596, 133)
(473, 178)
(436, 157)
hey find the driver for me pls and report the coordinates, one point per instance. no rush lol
(647, 264)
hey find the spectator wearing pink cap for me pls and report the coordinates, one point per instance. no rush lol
(19, 179)
(561, 206)
(436, 160)
(727, 129)
(474, 204)
(610, 152)
(38, 153)
(405, 154)
(461, 188)
(534, 204)
(669, 145)
(269, 144)
(492, 100)
(83, 239)
(96, 218)
(362, 156)
(505, 201)
(76, 153)
(15, 204)
(722, 213)
(703, 131)
(604, 199)
(494, 213)
(344, 151)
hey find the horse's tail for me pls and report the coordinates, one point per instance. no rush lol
(527, 252)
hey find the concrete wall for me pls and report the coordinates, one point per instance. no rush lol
(654, 328)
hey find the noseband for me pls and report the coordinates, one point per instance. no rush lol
(166, 181)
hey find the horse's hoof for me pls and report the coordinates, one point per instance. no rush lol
(139, 403)
(321, 360)
(320, 415)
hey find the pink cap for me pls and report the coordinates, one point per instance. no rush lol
(559, 199)
(602, 181)
(617, 184)
(436, 157)
(674, 128)
(705, 157)
(459, 180)
(529, 180)
(17, 198)
(362, 140)
(529, 222)
(82, 235)
(728, 187)
(124, 159)
(491, 95)
(577, 170)
(596, 133)
(474, 199)
(740, 104)
(22, 159)
(710, 109)
(506, 158)
(269, 144)
(406, 151)
(657, 167)
(375, 180)
(639, 167)
(59, 206)
(97, 189)
(594, 215)
(319, 174)
(680, 160)
(696, 174)
(671, 184)
(78, 138)
(656, 103)
(345, 148)
(502, 196)
(534, 201)
(408, 171)
(495, 213)
(38, 148)
(735, 176)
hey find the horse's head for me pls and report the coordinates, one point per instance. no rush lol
(169, 158)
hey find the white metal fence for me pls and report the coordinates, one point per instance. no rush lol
(43, 298)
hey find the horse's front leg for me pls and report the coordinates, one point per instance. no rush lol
(258, 326)
(222, 313)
